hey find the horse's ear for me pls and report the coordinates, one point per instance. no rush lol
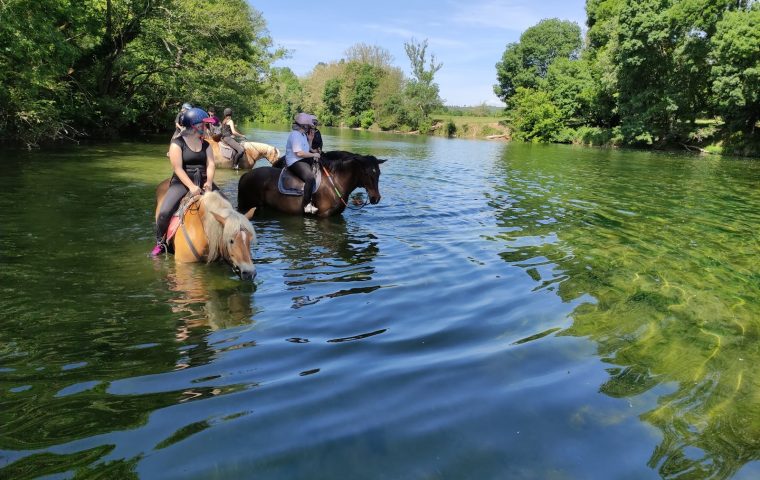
(249, 213)
(219, 218)
(382, 160)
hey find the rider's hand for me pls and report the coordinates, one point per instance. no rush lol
(315, 156)
(196, 190)
(207, 187)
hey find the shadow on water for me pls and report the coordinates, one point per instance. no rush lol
(670, 261)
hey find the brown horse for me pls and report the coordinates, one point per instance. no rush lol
(347, 171)
(253, 152)
(210, 229)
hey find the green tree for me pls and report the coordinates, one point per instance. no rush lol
(735, 72)
(526, 63)
(364, 79)
(535, 117)
(331, 100)
(571, 89)
(283, 96)
(97, 67)
(421, 93)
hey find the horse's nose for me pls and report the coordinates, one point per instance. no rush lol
(247, 274)
(374, 200)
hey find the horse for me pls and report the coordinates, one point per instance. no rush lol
(343, 172)
(210, 229)
(253, 152)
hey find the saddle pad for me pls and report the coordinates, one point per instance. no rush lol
(289, 184)
(226, 150)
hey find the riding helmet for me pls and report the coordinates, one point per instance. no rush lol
(193, 117)
(186, 106)
(228, 112)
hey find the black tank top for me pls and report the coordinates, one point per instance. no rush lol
(226, 129)
(191, 159)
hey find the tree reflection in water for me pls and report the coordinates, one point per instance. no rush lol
(673, 270)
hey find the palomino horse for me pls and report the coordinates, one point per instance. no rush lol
(210, 229)
(253, 152)
(342, 173)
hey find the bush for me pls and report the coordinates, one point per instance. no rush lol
(367, 118)
(450, 129)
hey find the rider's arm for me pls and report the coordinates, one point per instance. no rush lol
(210, 169)
(175, 157)
(233, 129)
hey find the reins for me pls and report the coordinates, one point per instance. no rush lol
(337, 192)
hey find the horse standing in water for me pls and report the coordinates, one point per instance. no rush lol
(343, 172)
(253, 152)
(210, 229)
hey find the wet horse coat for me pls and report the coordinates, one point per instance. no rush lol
(347, 172)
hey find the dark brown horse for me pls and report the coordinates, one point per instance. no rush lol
(347, 172)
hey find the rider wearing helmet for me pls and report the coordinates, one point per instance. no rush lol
(228, 137)
(178, 119)
(299, 157)
(193, 165)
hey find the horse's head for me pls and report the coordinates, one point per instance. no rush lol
(231, 238)
(273, 154)
(237, 237)
(369, 176)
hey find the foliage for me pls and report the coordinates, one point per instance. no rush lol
(422, 96)
(526, 63)
(97, 68)
(649, 71)
(735, 72)
(536, 118)
(283, 94)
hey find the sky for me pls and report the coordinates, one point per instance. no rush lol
(467, 36)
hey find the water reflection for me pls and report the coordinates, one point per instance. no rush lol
(327, 252)
(670, 262)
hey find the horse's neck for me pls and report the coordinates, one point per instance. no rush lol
(346, 182)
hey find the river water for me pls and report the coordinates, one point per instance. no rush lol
(506, 311)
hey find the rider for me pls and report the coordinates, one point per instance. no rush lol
(178, 120)
(228, 137)
(193, 165)
(299, 158)
(315, 138)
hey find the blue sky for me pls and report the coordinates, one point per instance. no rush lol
(468, 37)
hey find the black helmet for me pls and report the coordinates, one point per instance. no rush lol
(228, 112)
(193, 117)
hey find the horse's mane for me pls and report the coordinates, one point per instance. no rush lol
(219, 236)
(341, 161)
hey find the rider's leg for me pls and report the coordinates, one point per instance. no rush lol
(302, 169)
(168, 206)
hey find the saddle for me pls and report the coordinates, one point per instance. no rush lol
(290, 184)
(226, 151)
(176, 220)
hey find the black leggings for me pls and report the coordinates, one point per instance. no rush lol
(239, 150)
(177, 190)
(302, 169)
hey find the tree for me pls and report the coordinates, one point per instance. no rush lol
(525, 64)
(283, 97)
(535, 117)
(421, 93)
(735, 72)
(331, 100)
(369, 54)
(97, 67)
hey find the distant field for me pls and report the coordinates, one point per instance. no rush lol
(469, 119)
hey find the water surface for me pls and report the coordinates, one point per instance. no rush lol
(506, 311)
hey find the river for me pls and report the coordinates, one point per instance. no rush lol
(506, 311)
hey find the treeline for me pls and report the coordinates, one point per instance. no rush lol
(360, 90)
(650, 73)
(77, 68)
